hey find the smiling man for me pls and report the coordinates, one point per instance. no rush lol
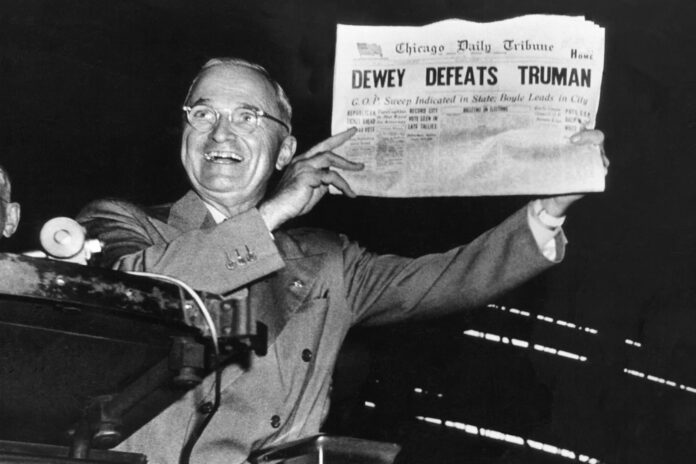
(308, 286)
(230, 172)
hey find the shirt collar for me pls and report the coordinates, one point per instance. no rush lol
(218, 217)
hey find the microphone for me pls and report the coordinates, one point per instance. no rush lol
(65, 239)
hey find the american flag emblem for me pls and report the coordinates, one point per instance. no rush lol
(366, 49)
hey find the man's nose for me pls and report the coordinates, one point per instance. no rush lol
(223, 129)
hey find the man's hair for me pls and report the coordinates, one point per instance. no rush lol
(283, 100)
(5, 184)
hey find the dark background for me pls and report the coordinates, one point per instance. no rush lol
(91, 93)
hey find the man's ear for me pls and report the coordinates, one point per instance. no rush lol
(13, 212)
(287, 151)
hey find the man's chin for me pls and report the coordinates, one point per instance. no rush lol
(222, 190)
(228, 182)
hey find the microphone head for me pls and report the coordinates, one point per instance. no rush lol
(62, 237)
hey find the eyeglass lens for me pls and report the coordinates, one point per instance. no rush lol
(204, 118)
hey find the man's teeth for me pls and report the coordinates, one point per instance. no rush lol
(223, 156)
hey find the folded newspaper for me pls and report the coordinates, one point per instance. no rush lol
(458, 108)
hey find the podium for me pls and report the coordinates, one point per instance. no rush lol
(89, 355)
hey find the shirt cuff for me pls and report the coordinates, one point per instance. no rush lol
(544, 234)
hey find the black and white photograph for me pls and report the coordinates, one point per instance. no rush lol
(358, 232)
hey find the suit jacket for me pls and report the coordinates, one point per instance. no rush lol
(309, 286)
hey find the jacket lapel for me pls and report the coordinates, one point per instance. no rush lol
(190, 213)
(187, 214)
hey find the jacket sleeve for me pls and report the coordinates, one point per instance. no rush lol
(385, 288)
(218, 259)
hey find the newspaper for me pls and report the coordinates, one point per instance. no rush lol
(458, 108)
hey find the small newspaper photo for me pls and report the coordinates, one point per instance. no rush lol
(459, 108)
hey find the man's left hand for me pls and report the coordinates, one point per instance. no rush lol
(558, 205)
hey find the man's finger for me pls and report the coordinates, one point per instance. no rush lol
(332, 160)
(594, 137)
(335, 179)
(332, 142)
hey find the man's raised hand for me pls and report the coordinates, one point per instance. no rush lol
(558, 205)
(307, 179)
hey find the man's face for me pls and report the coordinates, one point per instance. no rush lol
(225, 167)
(9, 212)
(3, 210)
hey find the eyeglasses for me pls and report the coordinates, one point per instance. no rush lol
(244, 119)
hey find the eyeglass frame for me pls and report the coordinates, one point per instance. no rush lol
(258, 112)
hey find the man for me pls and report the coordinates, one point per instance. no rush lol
(308, 286)
(9, 211)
